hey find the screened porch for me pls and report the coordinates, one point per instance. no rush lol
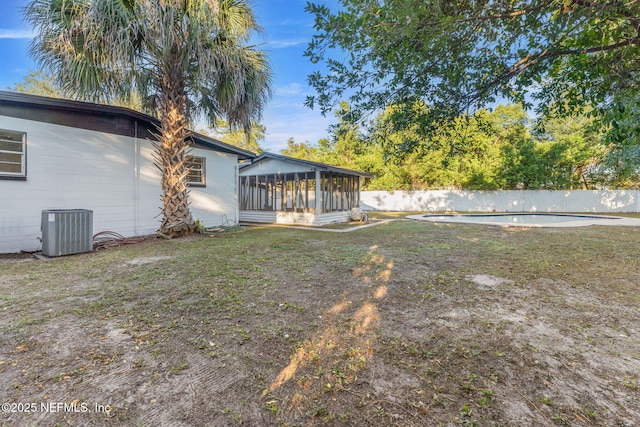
(283, 190)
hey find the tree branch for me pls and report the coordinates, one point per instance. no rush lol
(534, 59)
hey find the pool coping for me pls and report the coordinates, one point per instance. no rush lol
(586, 220)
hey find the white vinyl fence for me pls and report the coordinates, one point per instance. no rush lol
(503, 201)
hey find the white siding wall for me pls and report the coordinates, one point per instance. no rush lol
(294, 218)
(328, 218)
(258, 216)
(217, 203)
(70, 168)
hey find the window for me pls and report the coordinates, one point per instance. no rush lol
(13, 151)
(197, 172)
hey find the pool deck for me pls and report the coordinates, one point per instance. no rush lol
(592, 219)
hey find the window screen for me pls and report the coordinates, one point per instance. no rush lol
(13, 150)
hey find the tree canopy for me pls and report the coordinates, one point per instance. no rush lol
(488, 150)
(242, 138)
(457, 56)
(39, 83)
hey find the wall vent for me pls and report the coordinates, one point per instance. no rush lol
(66, 231)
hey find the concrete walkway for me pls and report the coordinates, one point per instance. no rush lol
(329, 230)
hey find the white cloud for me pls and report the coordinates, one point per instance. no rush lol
(289, 89)
(283, 44)
(16, 34)
(302, 124)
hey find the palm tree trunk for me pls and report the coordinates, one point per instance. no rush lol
(172, 155)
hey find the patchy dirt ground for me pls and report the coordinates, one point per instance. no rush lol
(405, 324)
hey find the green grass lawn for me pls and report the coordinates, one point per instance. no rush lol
(406, 323)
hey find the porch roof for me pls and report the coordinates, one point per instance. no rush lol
(245, 166)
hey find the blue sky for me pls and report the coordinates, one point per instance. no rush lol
(288, 30)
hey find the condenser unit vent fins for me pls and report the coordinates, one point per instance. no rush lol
(67, 231)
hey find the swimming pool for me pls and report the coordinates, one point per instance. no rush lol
(526, 219)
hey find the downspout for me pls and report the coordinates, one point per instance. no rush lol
(136, 171)
(236, 193)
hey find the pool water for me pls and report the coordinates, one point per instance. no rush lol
(519, 219)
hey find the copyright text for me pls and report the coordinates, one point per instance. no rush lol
(53, 407)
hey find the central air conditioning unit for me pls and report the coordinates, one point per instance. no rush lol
(66, 231)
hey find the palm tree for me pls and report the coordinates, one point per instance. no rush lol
(183, 58)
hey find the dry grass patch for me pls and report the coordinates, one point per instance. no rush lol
(406, 324)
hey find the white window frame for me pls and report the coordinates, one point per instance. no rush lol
(8, 137)
(200, 172)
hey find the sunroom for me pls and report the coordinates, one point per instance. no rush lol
(283, 190)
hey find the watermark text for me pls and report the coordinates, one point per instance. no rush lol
(55, 407)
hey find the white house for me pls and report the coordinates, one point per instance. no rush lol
(283, 190)
(61, 154)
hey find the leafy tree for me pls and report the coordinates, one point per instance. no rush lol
(467, 152)
(184, 58)
(239, 137)
(485, 151)
(574, 148)
(621, 164)
(347, 146)
(460, 55)
(39, 83)
(522, 167)
(301, 150)
(399, 168)
(42, 83)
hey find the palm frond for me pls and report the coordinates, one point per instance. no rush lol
(183, 58)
